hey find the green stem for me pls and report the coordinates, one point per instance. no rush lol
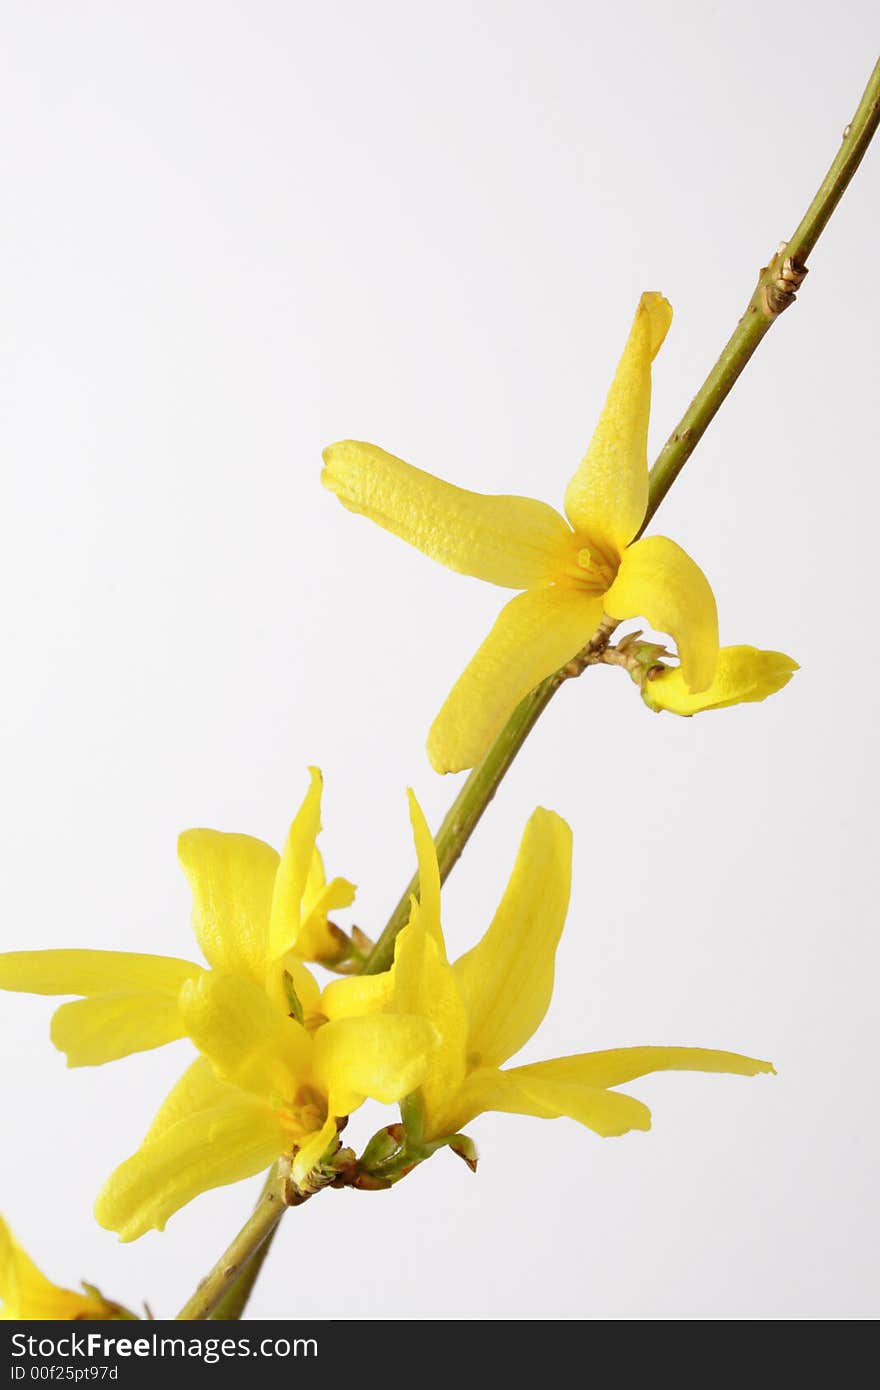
(768, 300)
(251, 1241)
(467, 808)
(234, 1301)
(776, 288)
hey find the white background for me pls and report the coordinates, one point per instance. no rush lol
(234, 232)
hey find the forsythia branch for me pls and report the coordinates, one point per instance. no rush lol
(235, 1261)
(225, 1290)
(776, 288)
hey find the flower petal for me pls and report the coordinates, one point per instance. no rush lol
(606, 1112)
(26, 1294)
(659, 581)
(622, 1064)
(429, 874)
(213, 1147)
(316, 939)
(357, 994)
(507, 979)
(607, 498)
(94, 972)
(512, 541)
(309, 1153)
(535, 633)
(199, 1088)
(425, 985)
(384, 1056)
(248, 1041)
(743, 675)
(294, 868)
(93, 1031)
(232, 878)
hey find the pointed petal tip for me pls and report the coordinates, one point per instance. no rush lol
(659, 312)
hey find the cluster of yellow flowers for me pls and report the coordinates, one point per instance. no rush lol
(282, 1061)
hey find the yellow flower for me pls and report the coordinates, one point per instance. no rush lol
(743, 674)
(27, 1294)
(264, 1087)
(571, 573)
(256, 915)
(488, 1004)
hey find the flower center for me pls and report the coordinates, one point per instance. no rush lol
(590, 568)
(304, 1114)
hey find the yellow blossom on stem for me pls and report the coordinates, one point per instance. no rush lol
(26, 1293)
(743, 675)
(265, 1087)
(572, 572)
(487, 1004)
(256, 915)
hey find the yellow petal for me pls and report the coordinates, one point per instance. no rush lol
(93, 1031)
(425, 986)
(232, 878)
(314, 1148)
(199, 1088)
(216, 1146)
(607, 498)
(535, 634)
(316, 939)
(507, 979)
(743, 675)
(606, 1112)
(294, 868)
(622, 1064)
(248, 1041)
(659, 581)
(512, 541)
(384, 1056)
(94, 972)
(429, 874)
(26, 1294)
(357, 994)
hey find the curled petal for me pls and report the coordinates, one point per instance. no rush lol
(512, 541)
(316, 940)
(743, 675)
(659, 581)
